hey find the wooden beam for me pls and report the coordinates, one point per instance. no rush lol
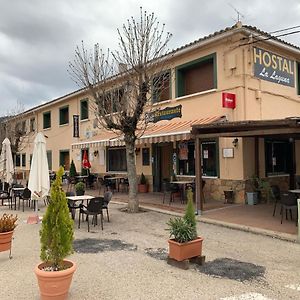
(262, 132)
(198, 179)
(256, 156)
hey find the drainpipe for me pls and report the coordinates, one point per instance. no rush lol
(298, 220)
(245, 83)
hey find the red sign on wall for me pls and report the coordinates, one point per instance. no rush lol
(228, 100)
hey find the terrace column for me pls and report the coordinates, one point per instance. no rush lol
(198, 182)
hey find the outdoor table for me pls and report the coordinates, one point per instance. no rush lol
(183, 184)
(295, 191)
(79, 198)
(117, 179)
(15, 193)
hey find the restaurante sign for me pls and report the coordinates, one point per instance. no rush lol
(167, 113)
(272, 67)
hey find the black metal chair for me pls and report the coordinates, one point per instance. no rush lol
(72, 205)
(25, 196)
(110, 184)
(94, 208)
(275, 191)
(15, 194)
(288, 202)
(106, 199)
(5, 192)
(170, 190)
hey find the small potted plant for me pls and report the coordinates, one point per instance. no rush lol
(80, 188)
(252, 194)
(56, 235)
(143, 186)
(7, 226)
(185, 242)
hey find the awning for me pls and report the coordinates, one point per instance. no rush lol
(164, 131)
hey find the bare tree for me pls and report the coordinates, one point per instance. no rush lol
(123, 82)
(13, 127)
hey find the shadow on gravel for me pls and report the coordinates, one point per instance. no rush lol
(96, 245)
(158, 253)
(232, 269)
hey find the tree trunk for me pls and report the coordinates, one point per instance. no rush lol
(133, 202)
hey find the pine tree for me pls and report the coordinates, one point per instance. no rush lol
(56, 234)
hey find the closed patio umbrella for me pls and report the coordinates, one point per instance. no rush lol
(6, 162)
(39, 183)
(85, 161)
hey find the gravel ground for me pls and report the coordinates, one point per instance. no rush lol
(127, 260)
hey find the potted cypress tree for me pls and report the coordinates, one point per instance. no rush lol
(56, 235)
(185, 242)
(73, 172)
(143, 185)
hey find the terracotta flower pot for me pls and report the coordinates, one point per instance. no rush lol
(55, 285)
(143, 188)
(5, 240)
(187, 250)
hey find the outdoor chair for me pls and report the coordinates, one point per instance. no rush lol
(101, 184)
(171, 190)
(107, 197)
(90, 181)
(124, 185)
(5, 192)
(71, 183)
(94, 208)
(15, 194)
(288, 202)
(276, 195)
(25, 196)
(109, 184)
(72, 205)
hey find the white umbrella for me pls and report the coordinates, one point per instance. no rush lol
(39, 183)
(6, 162)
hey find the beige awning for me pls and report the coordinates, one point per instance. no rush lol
(164, 131)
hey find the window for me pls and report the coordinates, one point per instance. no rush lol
(209, 158)
(47, 120)
(23, 127)
(64, 115)
(84, 109)
(161, 87)
(196, 76)
(32, 124)
(18, 160)
(117, 159)
(186, 158)
(111, 101)
(64, 159)
(24, 160)
(278, 157)
(30, 159)
(146, 156)
(49, 158)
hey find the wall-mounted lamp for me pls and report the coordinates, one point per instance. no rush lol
(96, 152)
(137, 151)
(235, 142)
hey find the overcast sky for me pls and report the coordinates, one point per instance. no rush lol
(38, 37)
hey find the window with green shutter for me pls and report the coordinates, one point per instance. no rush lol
(47, 120)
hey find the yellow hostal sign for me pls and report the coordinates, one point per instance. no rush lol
(272, 67)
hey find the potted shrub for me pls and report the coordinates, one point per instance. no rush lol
(80, 188)
(73, 172)
(184, 242)
(143, 186)
(252, 194)
(7, 226)
(56, 235)
(264, 189)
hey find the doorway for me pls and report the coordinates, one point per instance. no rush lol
(162, 164)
